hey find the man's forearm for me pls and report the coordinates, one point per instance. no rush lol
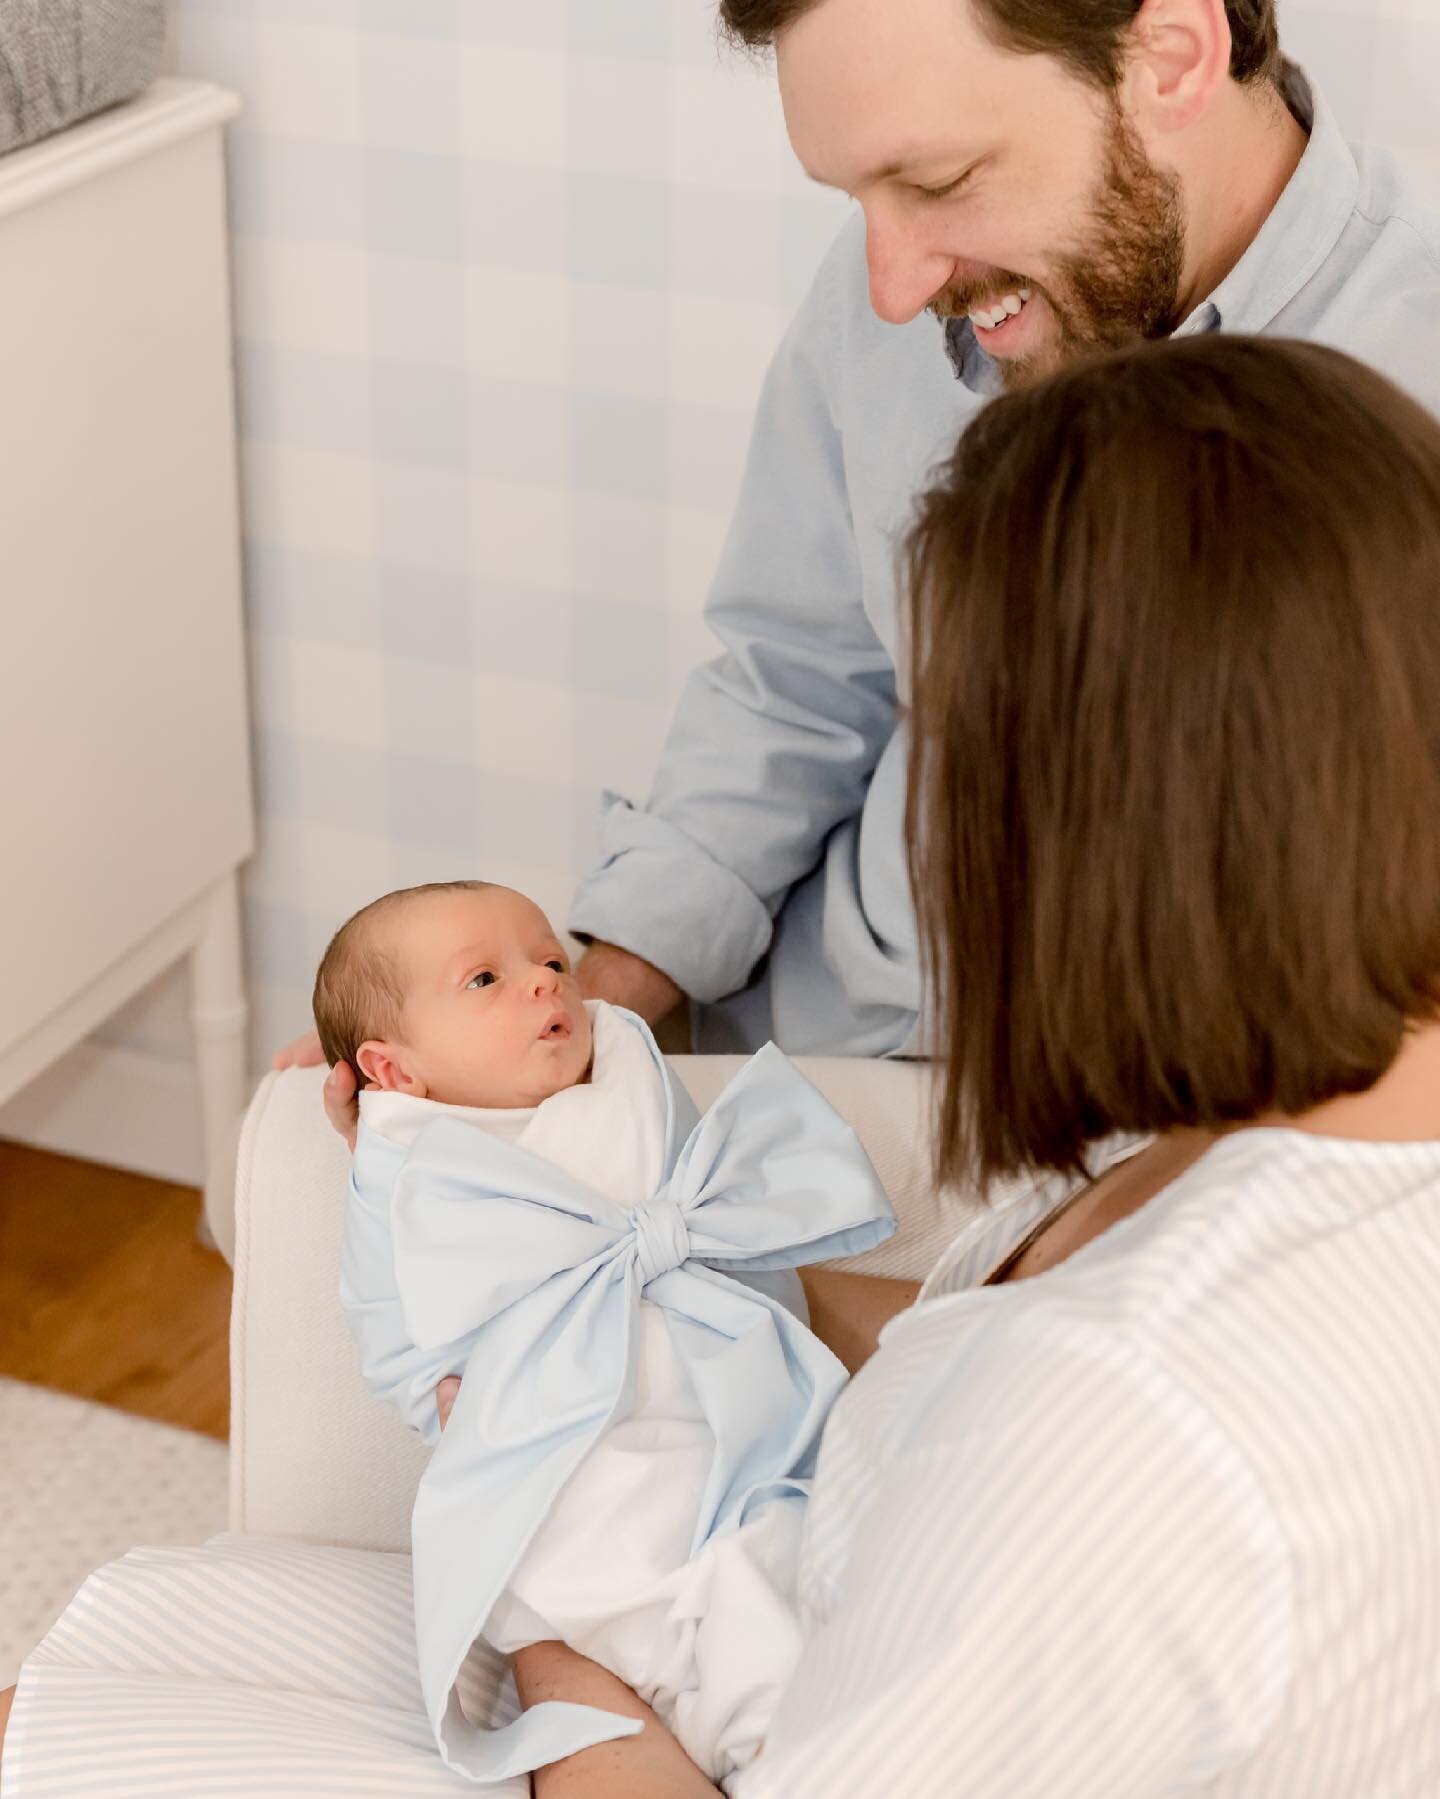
(651, 1765)
(610, 973)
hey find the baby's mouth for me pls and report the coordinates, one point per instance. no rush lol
(557, 1029)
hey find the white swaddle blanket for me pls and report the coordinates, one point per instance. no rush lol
(708, 1642)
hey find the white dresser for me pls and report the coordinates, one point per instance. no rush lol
(125, 795)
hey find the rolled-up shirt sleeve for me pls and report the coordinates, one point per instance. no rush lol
(1079, 1588)
(774, 742)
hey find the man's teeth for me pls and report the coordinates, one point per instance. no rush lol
(987, 318)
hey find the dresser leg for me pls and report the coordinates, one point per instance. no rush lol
(219, 1012)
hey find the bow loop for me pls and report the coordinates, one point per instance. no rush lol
(773, 1177)
(661, 1240)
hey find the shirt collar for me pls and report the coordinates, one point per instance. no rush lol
(1302, 229)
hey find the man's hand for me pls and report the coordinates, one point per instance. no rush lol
(341, 1106)
(613, 974)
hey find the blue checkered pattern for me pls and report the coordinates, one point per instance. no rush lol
(507, 275)
(507, 279)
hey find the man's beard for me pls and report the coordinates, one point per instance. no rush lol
(1120, 283)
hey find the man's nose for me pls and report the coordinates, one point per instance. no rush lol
(904, 275)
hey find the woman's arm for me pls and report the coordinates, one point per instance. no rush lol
(651, 1765)
(1067, 1581)
(848, 1311)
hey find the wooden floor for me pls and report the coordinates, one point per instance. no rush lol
(105, 1291)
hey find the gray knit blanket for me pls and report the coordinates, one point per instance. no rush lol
(61, 60)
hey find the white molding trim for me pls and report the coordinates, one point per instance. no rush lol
(119, 1107)
(166, 111)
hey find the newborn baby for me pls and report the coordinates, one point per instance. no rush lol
(535, 1205)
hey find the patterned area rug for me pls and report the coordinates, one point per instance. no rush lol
(80, 1484)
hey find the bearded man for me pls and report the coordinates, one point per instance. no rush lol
(1032, 181)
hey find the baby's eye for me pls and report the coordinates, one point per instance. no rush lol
(484, 977)
(556, 964)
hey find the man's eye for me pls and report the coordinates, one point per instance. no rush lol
(940, 193)
(485, 978)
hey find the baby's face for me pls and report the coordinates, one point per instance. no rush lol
(492, 1014)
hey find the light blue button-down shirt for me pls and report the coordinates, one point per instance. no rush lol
(766, 874)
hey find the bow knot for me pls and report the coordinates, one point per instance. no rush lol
(661, 1240)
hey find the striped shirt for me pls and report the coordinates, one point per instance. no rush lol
(1163, 1520)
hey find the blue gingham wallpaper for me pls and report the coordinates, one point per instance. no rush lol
(506, 280)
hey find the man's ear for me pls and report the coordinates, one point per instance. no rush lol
(383, 1066)
(1178, 60)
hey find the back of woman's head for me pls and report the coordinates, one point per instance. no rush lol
(1174, 807)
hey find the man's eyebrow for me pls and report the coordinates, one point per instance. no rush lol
(911, 159)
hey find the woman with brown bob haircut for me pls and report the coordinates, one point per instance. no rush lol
(1174, 811)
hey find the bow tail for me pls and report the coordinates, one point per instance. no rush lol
(549, 1373)
(765, 1384)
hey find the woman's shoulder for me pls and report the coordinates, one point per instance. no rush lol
(1261, 1205)
(1236, 1273)
(1264, 1210)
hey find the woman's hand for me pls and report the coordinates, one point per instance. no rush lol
(304, 1052)
(341, 1106)
(651, 1765)
(445, 1397)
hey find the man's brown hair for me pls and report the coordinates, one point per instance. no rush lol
(1087, 34)
(1173, 818)
(360, 987)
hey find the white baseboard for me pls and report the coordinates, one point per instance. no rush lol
(120, 1107)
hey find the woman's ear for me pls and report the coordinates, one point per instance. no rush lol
(1179, 57)
(381, 1064)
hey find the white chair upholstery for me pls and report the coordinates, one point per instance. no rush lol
(313, 1456)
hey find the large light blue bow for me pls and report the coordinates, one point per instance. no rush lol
(770, 1179)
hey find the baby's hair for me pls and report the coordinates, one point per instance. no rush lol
(359, 990)
(1174, 803)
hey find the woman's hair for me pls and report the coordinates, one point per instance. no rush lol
(360, 988)
(1173, 819)
(1087, 34)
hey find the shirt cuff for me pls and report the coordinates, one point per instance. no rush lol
(656, 893)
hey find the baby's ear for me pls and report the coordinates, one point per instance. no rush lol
(380, 1065)
(373, 1062)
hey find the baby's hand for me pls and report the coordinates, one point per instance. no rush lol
(445, 1397)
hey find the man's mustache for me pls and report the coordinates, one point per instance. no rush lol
(955, 300)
